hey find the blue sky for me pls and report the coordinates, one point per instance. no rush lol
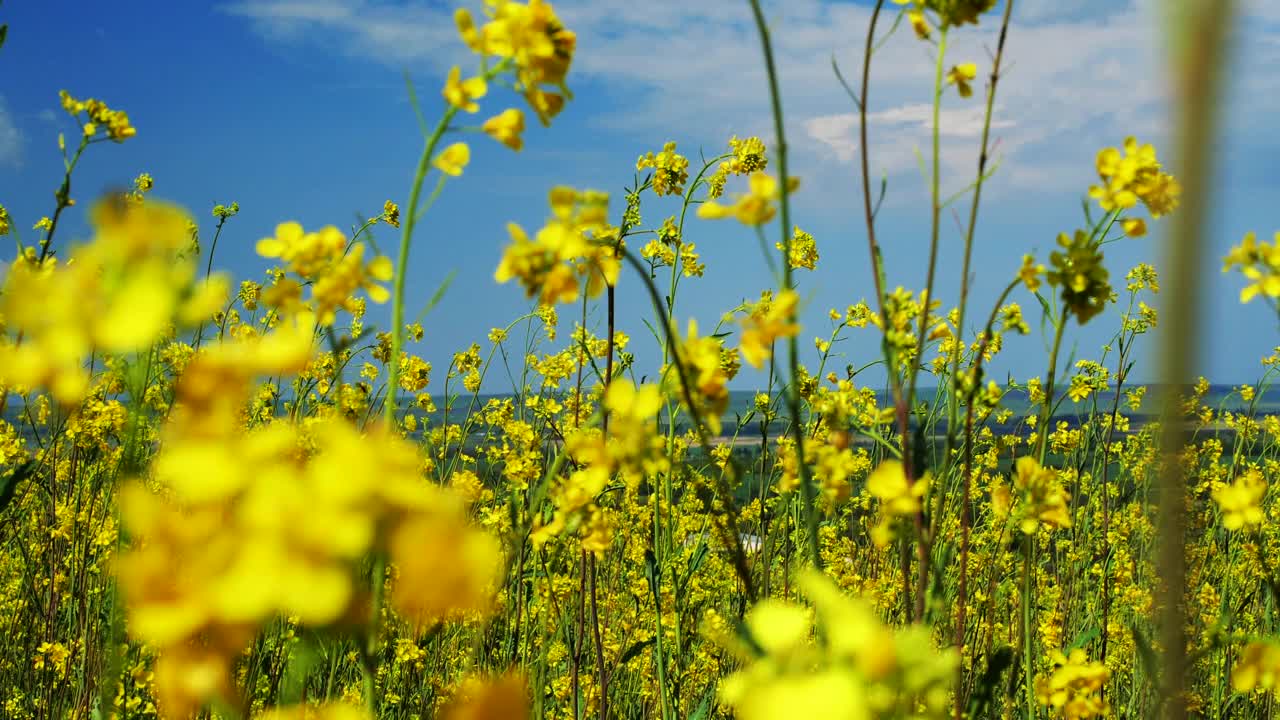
(297, 110)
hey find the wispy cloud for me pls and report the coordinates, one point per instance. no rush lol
(11, 141)
(1080, 74)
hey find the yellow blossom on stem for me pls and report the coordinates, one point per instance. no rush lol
(670, 170)
(453, 159)
(960, 76)
(1258, 667)
(565, 253)
(1259, 262)
(1074, 687)
(1241, 501)
(506, 127)
(463, 94)
(768, 320)
(755, 207)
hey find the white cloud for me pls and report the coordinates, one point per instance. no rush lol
(11, 141)
(1080, 74)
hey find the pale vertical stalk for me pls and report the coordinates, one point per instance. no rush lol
(1198, 42)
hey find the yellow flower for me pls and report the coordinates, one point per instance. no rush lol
(1043, 497)
(1030, 273)
(706, 371)
(440, 585)
(116, 122)
(804, 250)
(626, 403)
(564, 253)
(391, 214)
(898, 498)
(1258, 667)
(501, 698)
(755, 207)
(1259, 262)
(453, 159)
(307, 254)
(119, 293)
(770, 319)
(535, 40)
(463, 94)
(1134, 227)
(506, 127)
(961, 76)
(1241, 501)
(670, 170)
(1074, 687)
(1134, 175)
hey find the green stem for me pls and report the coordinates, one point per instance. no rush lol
(1046, 412)
(913, 473)
(402, 263)
(1028, 668)
(793, 352)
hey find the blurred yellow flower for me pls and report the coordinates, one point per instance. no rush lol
(768, 320)
(507, 128)
(755, 207)
(463, 94)
(960, 76)
(1241, 501)
(453, 159)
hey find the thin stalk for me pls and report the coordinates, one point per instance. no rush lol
(913, 371)
(793, 351)
(973, 211)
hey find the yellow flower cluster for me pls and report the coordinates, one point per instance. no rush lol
(670, 170)
(708, 367)
(335, 271)
(532, 38)
(564, 255)
(1074, 687)
(899, 498)
(275, 521)
(1241, 501)
(630, 446)
(1258, 668)
(765, 322)
(1041, 498)
(804, 250)
(756, 206)
(855, 667)
(1134, 175)
(950, 13)
(1260, 263)
(114, 122)
(121, 292)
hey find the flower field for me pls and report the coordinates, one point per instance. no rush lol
(232, 498)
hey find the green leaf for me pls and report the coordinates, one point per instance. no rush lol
(9, 485)
(704, 707)
(1146, 654)
(4, 32)
(984, 692)
(437, 296)
(1084, 638)
(302, 660)
(1044, 305)
(634, 650)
